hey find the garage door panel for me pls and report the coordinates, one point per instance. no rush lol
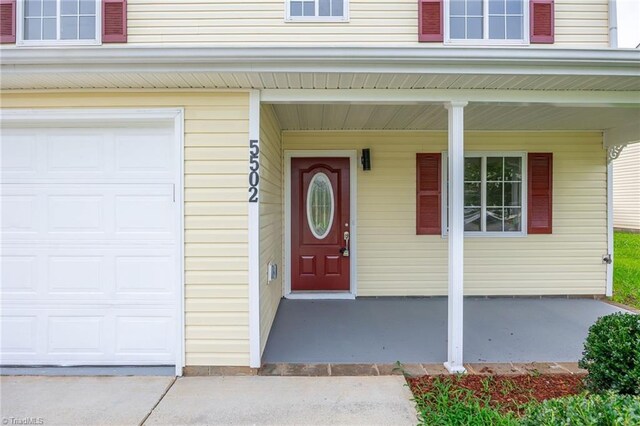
(114, 154)
(19, 335)
(68, 335)
(111, 275)
(75, 153)
(19, 275)
(18, 153)
(84, 212)
(131, 152)
(90, 246)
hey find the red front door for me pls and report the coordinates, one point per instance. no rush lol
(320, 233)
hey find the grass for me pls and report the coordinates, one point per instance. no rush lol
(626, 270)
(447, 404)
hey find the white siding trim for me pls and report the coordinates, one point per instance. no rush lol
(353, 176)
(254, 242)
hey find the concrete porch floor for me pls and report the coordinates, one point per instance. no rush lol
(414, 330)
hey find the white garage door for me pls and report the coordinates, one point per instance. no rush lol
(90, 245)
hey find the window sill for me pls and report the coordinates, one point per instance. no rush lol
(491, 234)
(58, 43)
(484, 43)
(316, 20)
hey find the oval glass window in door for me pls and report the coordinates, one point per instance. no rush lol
(320, 205)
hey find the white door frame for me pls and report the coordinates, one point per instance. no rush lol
(353, 197)
(62, 117)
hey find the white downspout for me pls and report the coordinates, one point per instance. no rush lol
(613, 24)
(609, 283)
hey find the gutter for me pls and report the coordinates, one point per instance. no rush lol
(423, 60)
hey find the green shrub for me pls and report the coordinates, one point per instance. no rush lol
(582, 410)
(612, 354)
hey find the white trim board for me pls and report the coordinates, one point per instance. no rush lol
(254, 235)
(131, 117)
(353, 204)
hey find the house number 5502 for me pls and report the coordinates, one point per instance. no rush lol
(254, 166)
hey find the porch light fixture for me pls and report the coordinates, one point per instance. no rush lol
(366, 159)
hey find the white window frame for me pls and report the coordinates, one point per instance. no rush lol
(483, 195)
(20, 27)
(485, 28)
(316, 18)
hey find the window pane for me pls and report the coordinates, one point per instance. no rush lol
(514, 7)
(320, 205)
(69, 28)
(514, 27)
(309, 9)
(496, 7)
(496, 27)
(472, 194)
(324, 7)
(494, 194)
(337, 8)
(87, 28)
(69, 7)
(50, 8)
(457, 8)
(512, 168)
(513, 220)
(33, 8)
(87, 7)
(474, 28)
(296, 8)
(474, 7)
(472, 220)
(32, 29)
(457, 28)
(472, 168)
(494, 220)
(494, 169)
(49, 31)
(513, 194)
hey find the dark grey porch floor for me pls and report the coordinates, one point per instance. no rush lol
(414, 330)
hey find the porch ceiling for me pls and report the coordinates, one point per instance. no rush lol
(18, 78)
(478, 116)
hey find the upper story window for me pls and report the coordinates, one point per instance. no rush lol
(487, 21)
(59, 21)
(317, 10)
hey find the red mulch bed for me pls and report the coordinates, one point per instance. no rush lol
(508, 393)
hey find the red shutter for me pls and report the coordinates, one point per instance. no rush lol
(540, 209)
(114, 21)
(542, 21)
(428, 190)
(430, 26)
(7, 21)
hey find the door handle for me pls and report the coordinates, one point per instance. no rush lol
(345, 249)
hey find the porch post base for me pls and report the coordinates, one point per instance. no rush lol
(455, 368)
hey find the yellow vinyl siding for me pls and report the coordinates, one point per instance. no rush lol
(393, 260)
(626, 188)
(270, 218)
(216, 252)
(372, 22)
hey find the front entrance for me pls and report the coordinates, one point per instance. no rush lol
(320, 218)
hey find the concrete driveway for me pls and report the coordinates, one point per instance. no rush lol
(260, 400)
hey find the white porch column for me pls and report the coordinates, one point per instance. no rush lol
(456, 236)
